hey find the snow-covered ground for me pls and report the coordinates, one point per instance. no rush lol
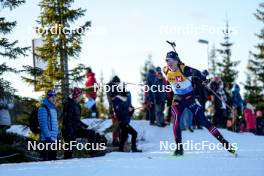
(153, 161)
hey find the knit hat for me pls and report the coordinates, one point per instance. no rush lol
(116, 79)
(76, 92)
(259, 113)
(173, 55)
(51, 93)
(158, 69)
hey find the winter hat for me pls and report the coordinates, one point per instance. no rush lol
(205, 73)
(116, 79)
(249, 106)
(158, 69)
(76, 92)
(89, 70)
(173, 55)
(259, 113)
(217, 78)
(51, 93)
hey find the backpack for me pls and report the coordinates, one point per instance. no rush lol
(33, 119)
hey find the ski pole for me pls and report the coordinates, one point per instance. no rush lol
(173, 45)
(215, 94)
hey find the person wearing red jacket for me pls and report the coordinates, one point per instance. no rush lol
(250, 118)
(91, 82)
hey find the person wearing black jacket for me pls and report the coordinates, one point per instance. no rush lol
(124, 110)
(201, 95)
(72, 126)
(115, 81)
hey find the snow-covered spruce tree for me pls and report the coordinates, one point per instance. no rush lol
(61, 40)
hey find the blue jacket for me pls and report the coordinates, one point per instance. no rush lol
(121, 106)
(48, 124)
(236, 97)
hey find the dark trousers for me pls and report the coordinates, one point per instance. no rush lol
(151, 114)
(197, 110)
(125, 130)
(81, 133)
(220, 117)
(48, 154)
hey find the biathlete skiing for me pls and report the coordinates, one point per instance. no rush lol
(179, 77)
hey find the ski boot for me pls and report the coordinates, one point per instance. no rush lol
(227, 145)
(179, 149)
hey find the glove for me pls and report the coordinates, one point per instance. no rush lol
(131, 111)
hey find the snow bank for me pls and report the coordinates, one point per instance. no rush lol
(155, 162)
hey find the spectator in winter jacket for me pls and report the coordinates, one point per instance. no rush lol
(201, 95)
(159, 97)
(110, 94)
(260, 123)
(250, 118)
(5, 118)
(72, 126)
(149, 97)
(237, 100)
(124, 111)
(91, 82)
(48, 123)
(219, 101)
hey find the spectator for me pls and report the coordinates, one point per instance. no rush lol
(201, 95)
(237, 101)
(72, 126)
(48, 123)
(91, 82)
(149, 97)
(124, 111)
(5, 118)
(260, 123)
(219, 101)
(110, 95)
(250, 118)
(159, 97)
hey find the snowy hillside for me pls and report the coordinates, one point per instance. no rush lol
(153, 161)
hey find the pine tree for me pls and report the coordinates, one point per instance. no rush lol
(213, 61)
(8, 49)
(255, 83)
(60, 42)
(227, 67)
(143, 74)
(100, 104)
(253, 90)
